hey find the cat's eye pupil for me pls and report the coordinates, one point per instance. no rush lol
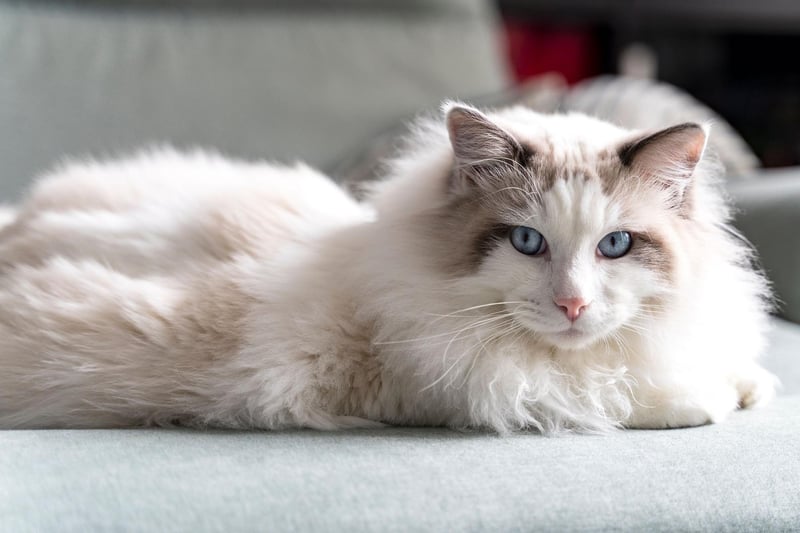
(527, 240)
(615, 244)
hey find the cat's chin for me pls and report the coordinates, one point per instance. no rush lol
(570, 339)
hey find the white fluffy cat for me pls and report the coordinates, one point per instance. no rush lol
(513, 271)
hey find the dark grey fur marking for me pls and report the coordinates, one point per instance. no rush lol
(652, 252)
(491, 238)
(468, 228)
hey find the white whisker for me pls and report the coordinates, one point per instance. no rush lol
(472, 325)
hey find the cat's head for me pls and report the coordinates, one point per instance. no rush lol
(576, 223)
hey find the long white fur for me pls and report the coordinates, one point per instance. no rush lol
(190, 288)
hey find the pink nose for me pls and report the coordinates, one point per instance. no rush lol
(572, 307)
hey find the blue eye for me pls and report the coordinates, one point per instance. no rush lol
(615, 245)
(528, 241)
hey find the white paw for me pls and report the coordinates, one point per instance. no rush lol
(680, 411)
(756, 387)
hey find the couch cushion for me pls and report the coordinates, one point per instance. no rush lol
(742, 475)
(783, 356)
(276, 81)
(769, 216)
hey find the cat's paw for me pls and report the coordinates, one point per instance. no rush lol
(681, 411)
(756, 387)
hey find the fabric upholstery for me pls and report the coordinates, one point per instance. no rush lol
(277, 82)
(742, 475)
(769, 216)
(738, 476)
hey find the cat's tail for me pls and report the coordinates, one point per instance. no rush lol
(7, 216)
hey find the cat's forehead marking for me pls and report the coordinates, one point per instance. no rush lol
(567, 146)
(575, 207)
(610, 170)
(550, 164)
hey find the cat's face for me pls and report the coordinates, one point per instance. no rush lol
(578, 237)
(596, 268)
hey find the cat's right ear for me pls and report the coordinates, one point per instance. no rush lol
(483, 151)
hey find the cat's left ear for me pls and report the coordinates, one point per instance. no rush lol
(483, 150)
(667, 157)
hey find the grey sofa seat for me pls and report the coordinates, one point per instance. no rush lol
(742, 475)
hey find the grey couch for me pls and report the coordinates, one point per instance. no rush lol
(280, 79)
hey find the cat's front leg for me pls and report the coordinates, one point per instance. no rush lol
(677, 406)
(702, 402)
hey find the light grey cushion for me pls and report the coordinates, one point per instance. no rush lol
(769, 216)
(783, 356)
(742, 475)
(272, 81)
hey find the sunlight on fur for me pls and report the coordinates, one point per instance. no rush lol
(512, 271)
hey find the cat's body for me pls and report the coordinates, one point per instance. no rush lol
(188, 288)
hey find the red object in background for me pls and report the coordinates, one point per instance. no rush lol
(536, 50)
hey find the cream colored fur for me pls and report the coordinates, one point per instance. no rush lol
(189, 288)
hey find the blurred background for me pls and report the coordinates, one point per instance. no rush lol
(320, 80)
(737, 56)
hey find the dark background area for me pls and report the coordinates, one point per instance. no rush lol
(739, 57)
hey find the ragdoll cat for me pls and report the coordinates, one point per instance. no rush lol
(514, 271)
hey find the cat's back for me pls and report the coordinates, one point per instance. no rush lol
(163, 210)
(125, 286)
